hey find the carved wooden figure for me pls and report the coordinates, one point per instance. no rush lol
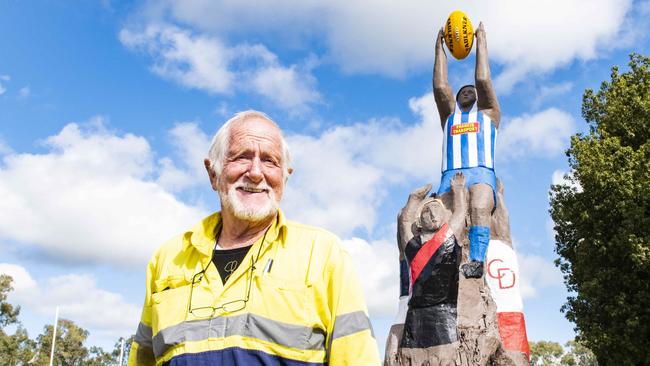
(447, 310)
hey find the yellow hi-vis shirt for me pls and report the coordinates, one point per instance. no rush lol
(305, 305)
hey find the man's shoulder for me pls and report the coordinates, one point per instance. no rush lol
(295, 228)
(173, 244)
(180, 242)
(303, 236)
(170, 249)
(323, 247)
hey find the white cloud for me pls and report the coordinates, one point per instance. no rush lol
(537, 272)
(393, 38)
(195, 61)
(24, 92)
(205, 62)
(91, 197)
(342, 176)
(191, 146)
(286, 86)
(378, 264)
(550, 229)
(547, 92)
(223, 110)
(22, 281)
(559, 177)
(4, 148)
(565, 178)
(542, 134)
(102, 312)
(2, 87)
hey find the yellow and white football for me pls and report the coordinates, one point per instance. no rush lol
(459, 34)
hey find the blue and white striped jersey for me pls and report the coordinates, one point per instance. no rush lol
(469, 139)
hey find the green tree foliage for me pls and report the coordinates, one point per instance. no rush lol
(99, 357)
(69, 350)
(544, 353)
(578, 355)
(8, 313)
(16, 349)
(602, 221)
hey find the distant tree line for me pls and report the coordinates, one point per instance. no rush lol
(544, 353)
(18, 349)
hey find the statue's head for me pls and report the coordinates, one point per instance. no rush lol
(431, 215)
(466, 97)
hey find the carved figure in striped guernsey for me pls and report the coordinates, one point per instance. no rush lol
(444, 318)
(470, 122)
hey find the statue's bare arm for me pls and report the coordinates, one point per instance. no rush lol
(406, 216)
(459, 213)
(487, 98)
(442, 92)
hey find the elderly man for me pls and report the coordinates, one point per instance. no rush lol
(469, 124)
(245, 286)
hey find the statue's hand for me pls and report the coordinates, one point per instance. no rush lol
(480, 32)
(415, 198)
(499, 186)
(439, 41)
(458, 181)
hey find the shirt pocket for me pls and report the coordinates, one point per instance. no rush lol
(290, 303)
(284, 300)
(169, 302)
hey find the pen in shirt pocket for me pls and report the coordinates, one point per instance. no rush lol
(267, 267)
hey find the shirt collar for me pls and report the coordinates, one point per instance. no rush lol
(202, 235)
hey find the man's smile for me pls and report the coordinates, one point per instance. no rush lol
(252, 189)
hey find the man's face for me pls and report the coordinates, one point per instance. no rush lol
(251, 181)
(433, 216)
(467, 97)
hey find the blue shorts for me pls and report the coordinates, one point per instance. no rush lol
(472, 176)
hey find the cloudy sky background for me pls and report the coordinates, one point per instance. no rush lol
(107, 109)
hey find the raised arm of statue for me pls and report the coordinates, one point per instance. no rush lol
(487, 97)
(457, 221)
(442, 92)
(406, 216)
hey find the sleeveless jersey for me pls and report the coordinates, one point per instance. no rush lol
(469, 139)
(431, 318)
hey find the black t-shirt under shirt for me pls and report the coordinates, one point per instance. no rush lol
(228, 260)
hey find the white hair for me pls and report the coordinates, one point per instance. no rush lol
(219, 146)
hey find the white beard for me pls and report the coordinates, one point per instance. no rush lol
(251, 213)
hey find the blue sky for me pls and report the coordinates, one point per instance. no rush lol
(107, 108)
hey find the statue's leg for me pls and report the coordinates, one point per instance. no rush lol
(481, 204)
(500, 228)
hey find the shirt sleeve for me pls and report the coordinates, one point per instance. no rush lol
(350, 338)
(141, 352)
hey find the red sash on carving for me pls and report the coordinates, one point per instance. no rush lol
(426, 252)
